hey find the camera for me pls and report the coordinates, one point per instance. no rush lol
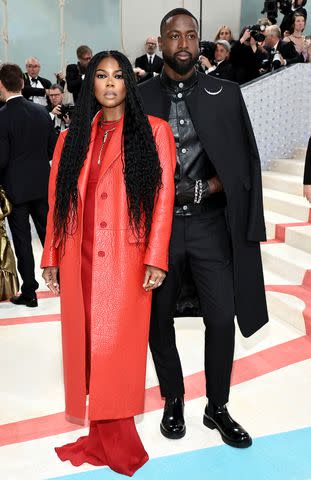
(65, 109)
(257, 32)
(207, 49)
(276, 61)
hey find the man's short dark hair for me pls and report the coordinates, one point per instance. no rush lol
(82, 50)
(55, 86)
(173, 13)
(11, 76)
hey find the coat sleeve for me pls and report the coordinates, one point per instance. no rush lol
(256, 230)
(50, 251)
(307, 172)
(158, 245)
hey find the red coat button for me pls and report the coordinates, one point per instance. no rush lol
(103, 224)
(101, 253)
(104, 195)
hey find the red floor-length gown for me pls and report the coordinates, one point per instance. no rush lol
(115, 443)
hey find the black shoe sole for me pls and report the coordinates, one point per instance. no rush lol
(173, 435)
(209, 423)
(31, 305)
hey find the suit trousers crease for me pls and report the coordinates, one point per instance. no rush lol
(202, 241)
(21, 234)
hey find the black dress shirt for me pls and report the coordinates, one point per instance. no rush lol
(192, 160)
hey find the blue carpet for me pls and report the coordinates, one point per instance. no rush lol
(284, 456)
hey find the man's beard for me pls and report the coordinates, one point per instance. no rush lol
(182, 67)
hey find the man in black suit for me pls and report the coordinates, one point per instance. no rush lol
(220, 67)
(75, 72)
(148, 64)
(215, 268)
(36, 88)
(27, 141)
(288, 54)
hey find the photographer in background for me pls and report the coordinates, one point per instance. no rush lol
(247, 54)
(59, 113)
(280, 53)
(220, 66)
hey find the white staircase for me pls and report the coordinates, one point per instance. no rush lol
(287, 257)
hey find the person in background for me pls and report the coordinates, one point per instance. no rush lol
(289, 9)
(307, 174)
(59, 112)
(247, 57)
(9, 285)
(296, 36)
(27, 141)
(111, 200)
(75, 72)
(224, 33)
(36, 88)
(150, 63)
(221, 66)
(286, 51)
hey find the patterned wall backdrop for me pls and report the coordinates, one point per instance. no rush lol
(34, 28)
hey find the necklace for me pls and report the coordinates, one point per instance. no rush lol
(103, 144)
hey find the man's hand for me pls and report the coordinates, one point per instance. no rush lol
(215, 185)
(50, 277)
(188, 191)
(153, 278)
(205, 61)
(139, 72)
(307, 192)
(56, 110)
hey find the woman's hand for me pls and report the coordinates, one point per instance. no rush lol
(153, 278)
(307, 192)
(50, 277)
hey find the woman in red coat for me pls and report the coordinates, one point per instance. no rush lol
(111, 199)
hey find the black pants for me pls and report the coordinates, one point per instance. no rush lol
(204, 242)
(21, 234)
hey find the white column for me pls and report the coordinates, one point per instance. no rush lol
(4, 33)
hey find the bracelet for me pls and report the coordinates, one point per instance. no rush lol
(198, 191)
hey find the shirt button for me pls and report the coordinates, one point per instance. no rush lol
(180, 85)
(185, 207)
(179, 95)
(183, 150)
(103, 224)
(181, 122)
(101, 253)
(104, 195)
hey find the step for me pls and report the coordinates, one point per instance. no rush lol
(300, 153)
(287, 308)
(283, 182)
(286, 204)
(273, 218)
(289, 166)
(299, 237)
(286, 261)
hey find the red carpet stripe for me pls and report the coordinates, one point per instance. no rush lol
(54, 317)
(244, 369)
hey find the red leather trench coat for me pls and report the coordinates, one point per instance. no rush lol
(120, 307)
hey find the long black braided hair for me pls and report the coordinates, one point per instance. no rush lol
(141, 165)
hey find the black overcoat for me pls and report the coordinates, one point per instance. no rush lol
(223, 126)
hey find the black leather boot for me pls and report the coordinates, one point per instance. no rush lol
(22, 300)
(173, 423)
(231, 432)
